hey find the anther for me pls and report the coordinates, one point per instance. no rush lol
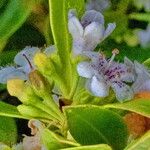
(114, 52)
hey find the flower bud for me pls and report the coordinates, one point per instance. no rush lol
(23, 91)
(15, 87)
(44, 64)
(40, 85)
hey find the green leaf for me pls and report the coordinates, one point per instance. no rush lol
(62, 40)
(9, 111)
(7, 57)
(89, 147)
(147, 62)
(54, 141)
(13, 17)
(33, 112)
(140, 16)
(140, 106)
(93, 125)
(8, 131)
(142, 143)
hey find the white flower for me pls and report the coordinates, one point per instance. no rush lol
(144, 37)
(98, 5)
(142, 82)
(23, 64)
(88, 32)
(103, 74)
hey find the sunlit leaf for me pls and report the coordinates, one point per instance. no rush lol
(140, 106)
(94, 125)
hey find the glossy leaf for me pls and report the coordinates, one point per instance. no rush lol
(8, 130)
(142, 143)
(140, 106)
(54, 141)
(91, 125)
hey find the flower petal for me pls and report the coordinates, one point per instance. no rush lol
(92, 35)
(98, 5)
(10, 73)
(78, 46)
(123, 91)
(91, 54)
(74, 26)
(145, 86)
(109, 30)
(142, 77)
(98, 87)
(29, 53)
(92, 16)
(85, 70)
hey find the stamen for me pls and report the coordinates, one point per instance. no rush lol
(28, 61)
(102, 55)
(114, 52)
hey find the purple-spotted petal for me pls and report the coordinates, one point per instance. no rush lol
(109, 30)
(123, 92)
(85, 70)
(98, 87)
(92, 16)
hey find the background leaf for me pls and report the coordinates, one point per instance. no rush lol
(94, 125)
(140, 106)
(14, 15)
(133, 53)
(8, 130)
